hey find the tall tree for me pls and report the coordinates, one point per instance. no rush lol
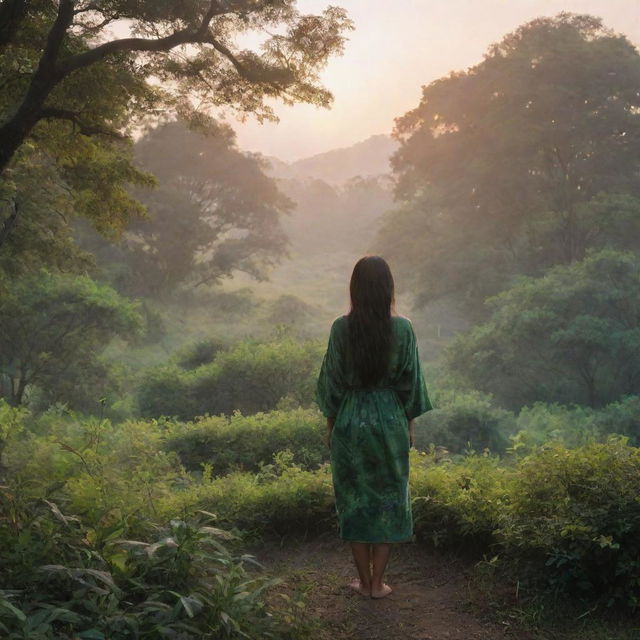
(497, 163)
(60, 63)
(214, 212)
(52, 330)
(571, 336)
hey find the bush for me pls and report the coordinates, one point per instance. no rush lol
(166, 391)
(247, 442)
(248, 377)
(565, 520)
(282, 499)
(465, 420)
(575, 425)
(199, 353)
(103, 472)
(289, 310)
(571, 425)
(622, 418)
(458, 504)
(574, 520)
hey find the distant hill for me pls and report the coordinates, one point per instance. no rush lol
(367, 158)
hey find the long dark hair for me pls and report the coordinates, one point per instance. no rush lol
(369, 320)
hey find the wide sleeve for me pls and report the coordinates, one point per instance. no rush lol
(331, 381)
(410, 385)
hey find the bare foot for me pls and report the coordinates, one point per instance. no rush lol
(356, 585)
(384, 591)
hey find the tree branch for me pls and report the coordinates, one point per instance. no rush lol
(56, 35)
(240, 68)
(201, 35)
(85, 128)
(14, 130)
(92, 6)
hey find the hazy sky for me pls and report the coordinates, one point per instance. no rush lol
(398, 46)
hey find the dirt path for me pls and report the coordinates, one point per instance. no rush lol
(430, 599)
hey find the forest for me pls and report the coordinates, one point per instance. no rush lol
(166, 298)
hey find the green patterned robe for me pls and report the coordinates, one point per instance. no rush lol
(370, 437)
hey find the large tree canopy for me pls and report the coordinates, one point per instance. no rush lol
(502, 168)
(215, 211)
(571, 336)
(75, 92)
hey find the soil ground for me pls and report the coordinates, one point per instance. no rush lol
(432, 599)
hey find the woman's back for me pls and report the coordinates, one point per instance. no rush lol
(403, 373)
(370, 388)
(370, 438)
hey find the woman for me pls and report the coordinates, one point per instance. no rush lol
(370, 389)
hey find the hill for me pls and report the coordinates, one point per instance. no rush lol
(367, 158)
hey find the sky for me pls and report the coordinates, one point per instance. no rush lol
(397, 47)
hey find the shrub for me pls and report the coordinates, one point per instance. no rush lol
(199, 353)
(622, 418)
(166, 391)
(575, 425)
(572, 425)
(248, 377)
(247, 442)
(465, 420)
(458, 504)
(11, 424)
(289, 310)
(254, 376)
(104, 472)
(282, 499)
(574, 519)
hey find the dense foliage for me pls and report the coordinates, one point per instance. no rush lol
(248, 443)
(250, 376)
(556, 517)
(61, 578)
(465, 421)
(52, 330)
(521, 162)
(570, 336)
(214, 212)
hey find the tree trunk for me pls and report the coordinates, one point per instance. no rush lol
(17, 128)
(19, 394)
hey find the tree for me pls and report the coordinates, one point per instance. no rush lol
(44, 235)
(59, 65)
(497, 163)
(52, 330)
(214, 212)
(571, 336)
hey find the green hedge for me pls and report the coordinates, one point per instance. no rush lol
(246, 442)
(281, 500)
